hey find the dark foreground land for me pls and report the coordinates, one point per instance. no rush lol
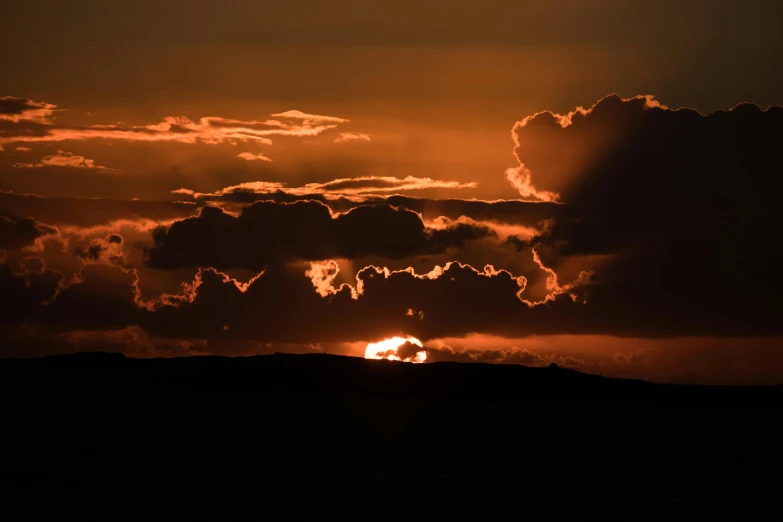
(316, 437)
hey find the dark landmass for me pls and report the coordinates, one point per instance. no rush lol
(320, 437)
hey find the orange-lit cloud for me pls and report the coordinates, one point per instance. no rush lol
(351, 136)
(249, 156)
(521, 179)
(64, 159)
(208, 130)
(323, 274)
(34, 124)
(309, 118)
(358, 185)
(555, 289)
(188, 289)
(22, 109)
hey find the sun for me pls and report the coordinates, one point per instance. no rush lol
(387, 349)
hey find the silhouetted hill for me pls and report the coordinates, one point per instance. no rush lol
(97, 436)
(326, 375)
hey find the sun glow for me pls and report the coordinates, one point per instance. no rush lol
(389, 349)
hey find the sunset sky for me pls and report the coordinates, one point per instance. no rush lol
(589, 183)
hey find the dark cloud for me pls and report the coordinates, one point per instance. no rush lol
(521, 356)
(17, 109)
(99, 297)
(37, 341)
(517, 244)
(267, 231)
(683, 205)
(24, 292)
(501, 211)
(89, 212)
(107, 250)
(22, 233)
(282, 305)
(407, 351)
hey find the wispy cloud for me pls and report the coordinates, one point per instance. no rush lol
(33, 123)
(351, 136)
(312, 118)
(358, 185)
(64, 159)
(22, 109)
(249, 156)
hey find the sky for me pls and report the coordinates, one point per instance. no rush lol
(592, 184)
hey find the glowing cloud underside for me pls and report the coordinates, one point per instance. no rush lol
(387, 349)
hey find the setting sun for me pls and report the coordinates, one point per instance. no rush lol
(389, 349)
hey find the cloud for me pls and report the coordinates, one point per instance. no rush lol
(23, 149)
(310, 118)
(85, 213)
(347, 186)
(63, 159)
(210, 130)
(521, 179)
(25, 233)
(249, 156)
(24, 293)
(350, 136)
(266, 232)
(508, 212)
(523, 356)
(132, 341)
(372, 184)
(683, 207)
(22, 109)
(323, 274)
(107, 250)
(546, 122)
(31, 122)
(281, 304)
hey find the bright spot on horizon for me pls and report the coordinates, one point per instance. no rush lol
(387, 349)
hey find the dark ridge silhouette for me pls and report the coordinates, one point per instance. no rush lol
(321, 375)
(100, 436)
